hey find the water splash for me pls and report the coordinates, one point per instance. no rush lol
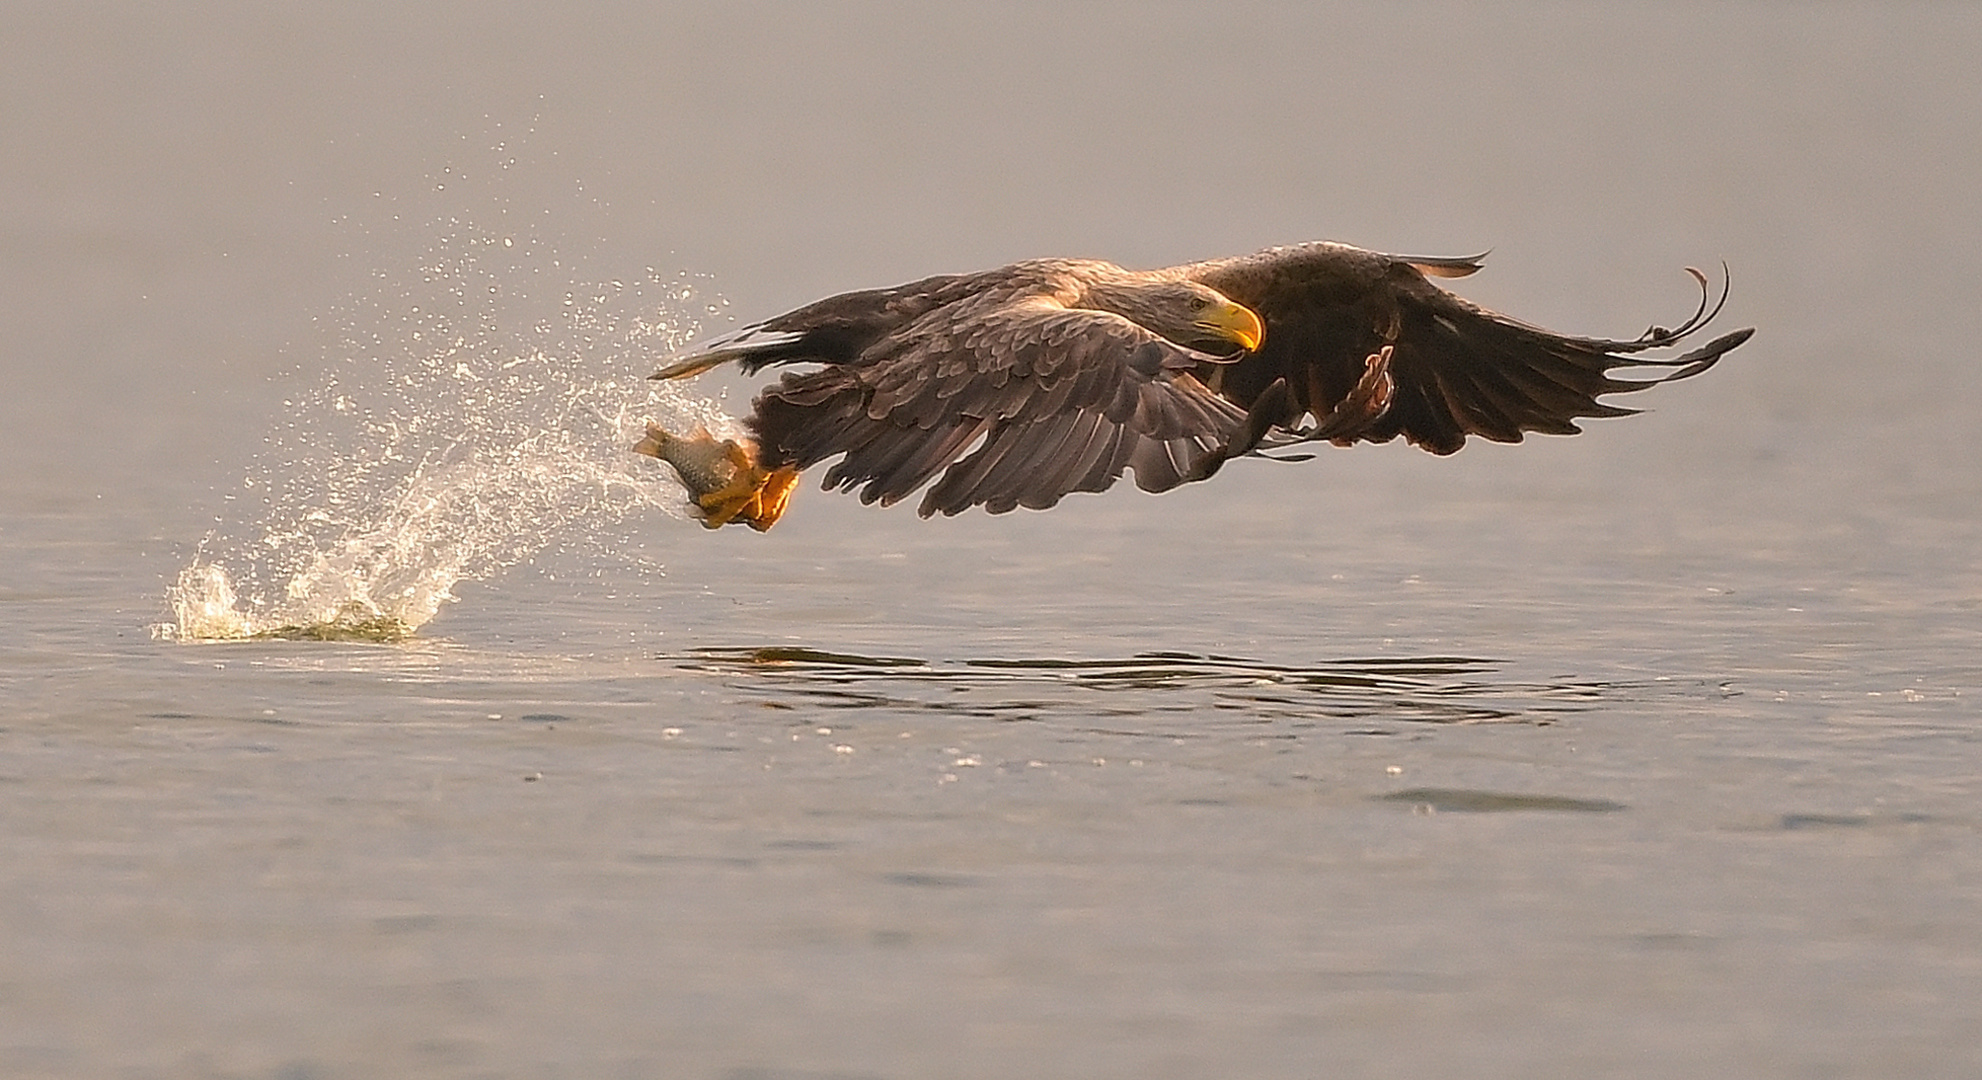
(463, 422)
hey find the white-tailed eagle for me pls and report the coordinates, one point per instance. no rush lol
(1012, 387)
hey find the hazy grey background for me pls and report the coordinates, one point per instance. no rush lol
(1752, 617)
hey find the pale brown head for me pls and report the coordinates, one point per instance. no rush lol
(1193, 315)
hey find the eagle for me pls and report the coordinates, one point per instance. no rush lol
(1015, 386)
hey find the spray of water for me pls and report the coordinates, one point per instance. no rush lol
(461, 422)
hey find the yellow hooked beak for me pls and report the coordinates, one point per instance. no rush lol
(1234, 322)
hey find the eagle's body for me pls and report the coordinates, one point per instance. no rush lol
(1012, 387)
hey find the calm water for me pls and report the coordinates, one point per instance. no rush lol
(1652, 752)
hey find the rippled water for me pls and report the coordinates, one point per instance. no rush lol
(1652, 752)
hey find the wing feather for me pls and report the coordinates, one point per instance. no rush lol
(1071, 461)
(961, 485)
(1107, 456)
(1005, 402)
(929, 456)
(1015, 478)
(1156, 464)
(1460, 370)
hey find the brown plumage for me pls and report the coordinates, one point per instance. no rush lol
(1015, 386)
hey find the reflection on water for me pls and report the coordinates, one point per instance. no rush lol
(1191, 688)
(1470, 801)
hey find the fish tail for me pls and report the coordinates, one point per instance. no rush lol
(656, 442)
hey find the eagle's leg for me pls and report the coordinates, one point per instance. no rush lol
(768, 505)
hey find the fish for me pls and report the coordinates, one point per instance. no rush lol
(723, 479)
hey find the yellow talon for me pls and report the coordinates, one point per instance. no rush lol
(772, 497)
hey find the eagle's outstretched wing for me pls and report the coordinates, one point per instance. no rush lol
(1456, 369)
(1013, 403)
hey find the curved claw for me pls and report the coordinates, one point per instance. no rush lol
(1658, 336)
(1364, 405)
